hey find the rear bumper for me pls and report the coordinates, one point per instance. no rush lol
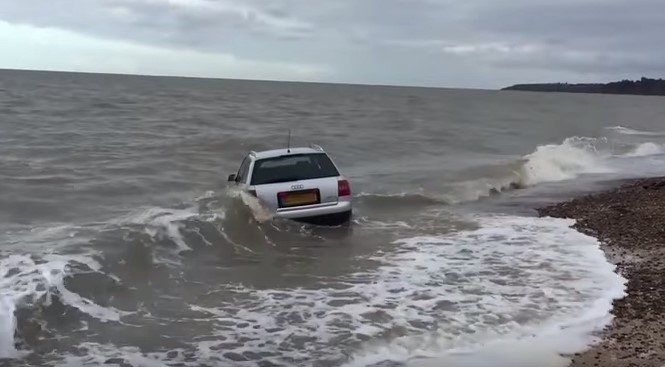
(335, 219)
(330, 214)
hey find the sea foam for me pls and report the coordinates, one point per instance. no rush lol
(26, 281)
(515, 281)
(530, 286)
(565, 161)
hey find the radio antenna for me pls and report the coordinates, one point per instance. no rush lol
(288, 143)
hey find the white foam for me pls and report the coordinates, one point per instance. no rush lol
(207, 195)
(646, 149)
(25, 281)
(480, 188)
(516, 291)
(573, 157)
(562, 280)
(7, 327)
(507, 281)
(558, 162)
(94, 354)
(260, 212)
(49, 237)
(395, 195)
(628, 131)
(163, 223)
(377, 224)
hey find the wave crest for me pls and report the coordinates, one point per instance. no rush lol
(559, 162)
(646, 149)
(573, 157)
(627, 131)
(26, 281)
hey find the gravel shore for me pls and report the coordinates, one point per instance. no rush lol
(630, 222)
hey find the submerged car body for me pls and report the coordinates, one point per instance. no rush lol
(300, 183)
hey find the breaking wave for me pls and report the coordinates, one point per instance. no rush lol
(476, 281)
(646, 149)
(167, 223)
(627, 131)
(574, 157)
(565, 161)
(27, 281)
(259, 212)
(399, 200)
(526, 283)
(532, 285)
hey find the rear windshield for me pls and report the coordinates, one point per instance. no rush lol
(293, 168)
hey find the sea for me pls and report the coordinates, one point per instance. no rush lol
(121, 243)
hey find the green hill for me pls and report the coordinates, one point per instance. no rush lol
(644, 86)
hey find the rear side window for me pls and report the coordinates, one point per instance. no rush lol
(293, 168)
(243, 171)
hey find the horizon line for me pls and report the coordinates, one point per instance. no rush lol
(174, 76)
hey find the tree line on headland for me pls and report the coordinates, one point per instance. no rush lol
(644, 86)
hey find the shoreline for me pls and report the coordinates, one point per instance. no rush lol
(629, 222)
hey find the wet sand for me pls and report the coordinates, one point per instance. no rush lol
(630, 222)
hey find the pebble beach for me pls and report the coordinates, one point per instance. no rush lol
(629, 220)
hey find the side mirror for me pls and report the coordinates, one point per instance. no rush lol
(232, 177)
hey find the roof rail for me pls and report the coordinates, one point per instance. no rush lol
(317, 147)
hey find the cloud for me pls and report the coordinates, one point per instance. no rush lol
(480, 43)
(219, 14)
(547, 56)
(608, 36)
(28, 47)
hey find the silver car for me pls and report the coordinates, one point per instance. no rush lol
(301, 183)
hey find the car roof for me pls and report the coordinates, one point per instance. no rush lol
(286, 151)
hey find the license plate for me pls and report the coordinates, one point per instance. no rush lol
(300, 198)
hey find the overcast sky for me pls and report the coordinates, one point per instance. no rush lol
(454, 43)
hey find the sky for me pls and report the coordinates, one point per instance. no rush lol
(439, 43)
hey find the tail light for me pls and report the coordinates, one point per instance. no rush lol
(343, 188)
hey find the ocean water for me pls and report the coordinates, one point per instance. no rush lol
(120, 243)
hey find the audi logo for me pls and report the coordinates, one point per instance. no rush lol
(297, 187)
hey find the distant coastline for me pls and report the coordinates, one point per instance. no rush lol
(644, 86)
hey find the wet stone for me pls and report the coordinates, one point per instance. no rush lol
(628, 221)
